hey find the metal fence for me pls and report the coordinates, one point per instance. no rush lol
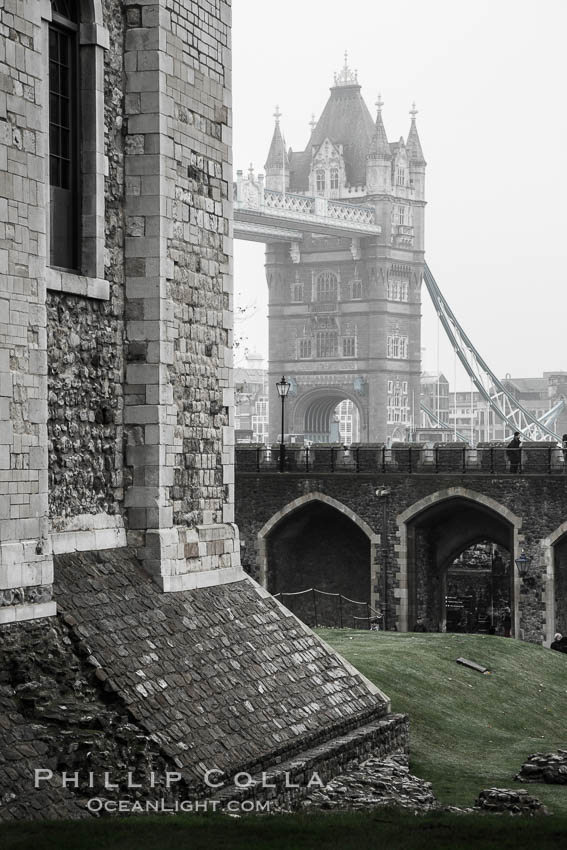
(457, 459)
(321, 608)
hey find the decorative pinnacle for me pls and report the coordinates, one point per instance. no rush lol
(379, 102)
(346, 77)
(313, 122)
(277, 114)
(413, 111)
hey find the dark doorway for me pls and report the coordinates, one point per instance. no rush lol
(437, 538)
(318, 547)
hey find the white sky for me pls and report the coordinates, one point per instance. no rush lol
(489, 82)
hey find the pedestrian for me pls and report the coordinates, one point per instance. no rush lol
(420, 625)
(513, 452)
(556, 642)
(564, 447)
(507, 621)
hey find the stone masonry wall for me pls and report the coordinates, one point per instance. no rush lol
(85, 406)
(539, 500)
(25, 561)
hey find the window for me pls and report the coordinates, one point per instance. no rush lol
(326, 287)
(356, 289)
(327, 343)
(398, 408)
(397, 290)
(402, 215)
(334, 178)
(349, 346)
(397, 347)
(320, 178)
(297, 291)
(64, 153)
(401, 177)
(304, 348)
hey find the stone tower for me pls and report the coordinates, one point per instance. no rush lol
(344, 314)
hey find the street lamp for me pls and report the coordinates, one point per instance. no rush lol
(523, 563)
(283, 389)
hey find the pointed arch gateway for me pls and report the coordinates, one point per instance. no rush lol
(368, 539)
(554, 555)
(459, 518)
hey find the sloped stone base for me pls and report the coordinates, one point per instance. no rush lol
(129, 679)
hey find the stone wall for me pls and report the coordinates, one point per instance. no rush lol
(85, 406)
(25, 561)
(538, 502)
(128, 678)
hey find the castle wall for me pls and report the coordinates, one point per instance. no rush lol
(538, 501)
(116, 386)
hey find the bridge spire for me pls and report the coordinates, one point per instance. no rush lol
(277, 163)
(379, 146)
(413, 144)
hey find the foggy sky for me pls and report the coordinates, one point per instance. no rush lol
(488, 79)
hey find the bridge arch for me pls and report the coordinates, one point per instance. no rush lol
(314, 499)
(314, 410)
(481, 517)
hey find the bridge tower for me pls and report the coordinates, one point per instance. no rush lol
(344, 312)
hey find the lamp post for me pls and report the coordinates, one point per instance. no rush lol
(283, 389)
(523, 563)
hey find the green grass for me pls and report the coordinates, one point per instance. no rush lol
(381, 830)
(468, 731)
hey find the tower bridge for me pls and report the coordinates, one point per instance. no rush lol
(343, 224)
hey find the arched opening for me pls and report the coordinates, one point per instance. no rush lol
(332, 418)
(319, 546)
(457, 531)
(477, 590)
(560, 585)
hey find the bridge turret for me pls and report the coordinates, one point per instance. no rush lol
(277, 164)
(416, 158)
(379, 159)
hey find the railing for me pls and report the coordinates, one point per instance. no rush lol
(294, 203)
(351, 212)
(321, 608)
(456, 459)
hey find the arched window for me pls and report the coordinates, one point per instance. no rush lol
(320, 178)
(334, 178)
(327, 286)
(64, 135)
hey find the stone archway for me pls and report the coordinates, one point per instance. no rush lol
(473, 517)
(371, 567)
(314, 411)
(554, 553)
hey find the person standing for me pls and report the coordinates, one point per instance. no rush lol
(513, 452)
(564, 447)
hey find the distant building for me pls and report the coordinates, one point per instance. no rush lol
(251, 400)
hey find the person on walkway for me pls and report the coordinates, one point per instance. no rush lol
(513, 452)
(564, 447)
(507, 621)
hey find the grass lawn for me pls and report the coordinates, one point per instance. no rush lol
(468, 731)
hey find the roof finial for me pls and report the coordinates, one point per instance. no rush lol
(379, 103)
(251, 172)
(346, 77)
(313, 122)
(413, 111)
(277, 114)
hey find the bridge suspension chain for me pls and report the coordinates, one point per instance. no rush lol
(501, 401)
